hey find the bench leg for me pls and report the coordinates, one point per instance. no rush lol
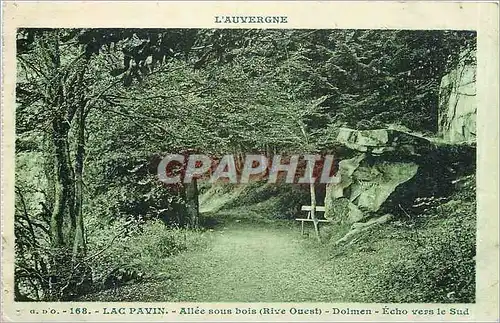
(302, 227)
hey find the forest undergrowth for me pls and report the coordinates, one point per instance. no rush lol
(240, 257)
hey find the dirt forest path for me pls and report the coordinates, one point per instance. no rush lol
(246, 263)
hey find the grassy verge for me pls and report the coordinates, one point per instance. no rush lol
(135, 259)
(429, 258)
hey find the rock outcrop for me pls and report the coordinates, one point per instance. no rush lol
(381, 141)
(383, 160)
(457, 102)
(364, 226)
(384, 170)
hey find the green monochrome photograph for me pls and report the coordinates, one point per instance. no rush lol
(245, 165)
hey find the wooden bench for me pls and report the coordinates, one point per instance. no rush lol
(309, 219)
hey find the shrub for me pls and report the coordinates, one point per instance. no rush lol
(442, 268)
(135, 252)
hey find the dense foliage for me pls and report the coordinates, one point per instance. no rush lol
(98, 108)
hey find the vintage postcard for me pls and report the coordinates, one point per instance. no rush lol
(249, 161)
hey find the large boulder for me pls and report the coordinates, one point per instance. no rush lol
(385, 169)
(457, 102)
(365, 185)
(382, 141)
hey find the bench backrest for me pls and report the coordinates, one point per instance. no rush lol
(308, 208)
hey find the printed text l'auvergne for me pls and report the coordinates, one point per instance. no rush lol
(251, 19)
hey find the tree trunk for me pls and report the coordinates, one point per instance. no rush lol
(79, 246)
(192, 204)
(313, 211)
(63, 186)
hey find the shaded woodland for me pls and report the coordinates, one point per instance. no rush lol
(97, 109)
